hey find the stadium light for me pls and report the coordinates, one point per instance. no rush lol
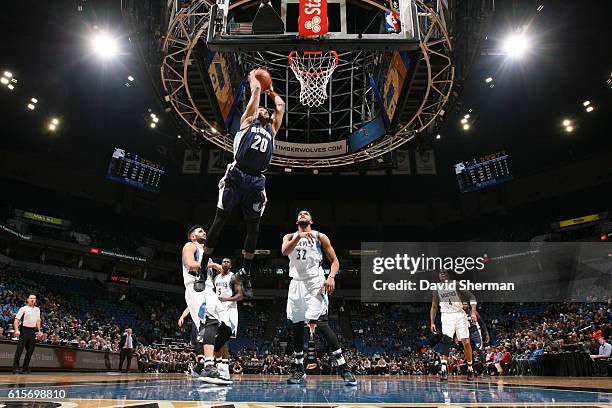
(466, 116)
(438, 136)
(130, 78)
(466, 126)
(569, 129)
(31, 106)
(105, 45)
(8, 74)
(34, 100)
(590, 109)
(152, 125)
(153, 115)
(586, 103)
(4, 80)
(55, 121)
(10, 86)
(52, 127)
(463, 121)
(489, 79)
(515, 45)
(566, 122)
(178, 136)
(155, 119)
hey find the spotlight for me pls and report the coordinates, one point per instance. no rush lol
(438, 136)
(466, 126)
(153, 115)
(569, 129)
(152, 125)
(131, 78)
(489, 79)
(586, 103)
(4, 80)
(8, 74)
(105, 45)
(31, 106)
(515, 45)
(566, 122)
(178, 136)
(52, 127)
(155, 119)
(463, 121)
(589, 109)
(467, 116)
(55, 121)
(34, 100)
(10, 86)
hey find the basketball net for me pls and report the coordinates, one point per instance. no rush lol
(313, 69)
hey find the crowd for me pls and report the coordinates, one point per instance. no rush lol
(387, 340)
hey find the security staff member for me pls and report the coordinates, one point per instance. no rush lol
(26, 321)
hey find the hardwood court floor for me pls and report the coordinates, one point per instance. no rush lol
(84, 390)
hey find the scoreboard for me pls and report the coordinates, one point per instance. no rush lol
(133, 170)
(482, 172)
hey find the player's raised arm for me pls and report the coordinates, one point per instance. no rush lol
(290, 242)
(188, 258)
(253, 104)
(277, 117)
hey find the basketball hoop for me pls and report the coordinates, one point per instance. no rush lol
(313, 69)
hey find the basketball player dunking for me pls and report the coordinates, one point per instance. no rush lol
(229, 292)
(244, 183)
(454, 322)
(307, 299)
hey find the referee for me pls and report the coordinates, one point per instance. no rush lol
(26, 321)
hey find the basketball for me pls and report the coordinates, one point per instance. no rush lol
(264, 78)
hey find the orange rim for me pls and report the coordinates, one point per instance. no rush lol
(292, 65)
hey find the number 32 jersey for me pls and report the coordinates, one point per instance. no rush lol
(253, 147)
(305, 259)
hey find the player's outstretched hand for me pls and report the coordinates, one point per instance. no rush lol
(330, 285)
(308, 236)
(433, 328)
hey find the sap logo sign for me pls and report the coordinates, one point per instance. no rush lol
(314, 25)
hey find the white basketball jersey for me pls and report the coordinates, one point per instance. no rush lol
(450, 301)
(189, 279)
(305, 259)
(223, 285)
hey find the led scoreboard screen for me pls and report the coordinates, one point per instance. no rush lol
(131, 169)
(482, 172)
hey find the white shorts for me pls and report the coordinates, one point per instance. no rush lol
(307, 300)
(205, 303)
(228, 313)
(455, 323)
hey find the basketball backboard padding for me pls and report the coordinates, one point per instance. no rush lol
(267, 20)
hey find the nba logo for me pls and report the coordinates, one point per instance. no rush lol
(391, 22)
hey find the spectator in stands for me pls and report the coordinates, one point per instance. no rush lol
(605, 349)
(126, 346)
(237, 368)
(26, 321)
(504, 361)
(1, 333)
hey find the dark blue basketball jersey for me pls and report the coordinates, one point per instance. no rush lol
(253, 147)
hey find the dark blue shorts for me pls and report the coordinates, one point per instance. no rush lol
(476, 337)
(246, 190)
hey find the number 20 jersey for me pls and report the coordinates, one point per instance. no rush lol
(305, 259)
(253, 147)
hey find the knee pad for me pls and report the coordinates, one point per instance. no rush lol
(445, 345)
(223, 335)
(330, 336)
(209, 332)
(212, 238)
(298, 337)
(252, 232)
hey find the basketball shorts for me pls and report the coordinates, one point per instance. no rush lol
(246, 190)
(228, 312)
(196, 303)
(307, 300)
(455, 323)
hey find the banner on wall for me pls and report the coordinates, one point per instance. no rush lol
(192, 163)
(425, 162)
